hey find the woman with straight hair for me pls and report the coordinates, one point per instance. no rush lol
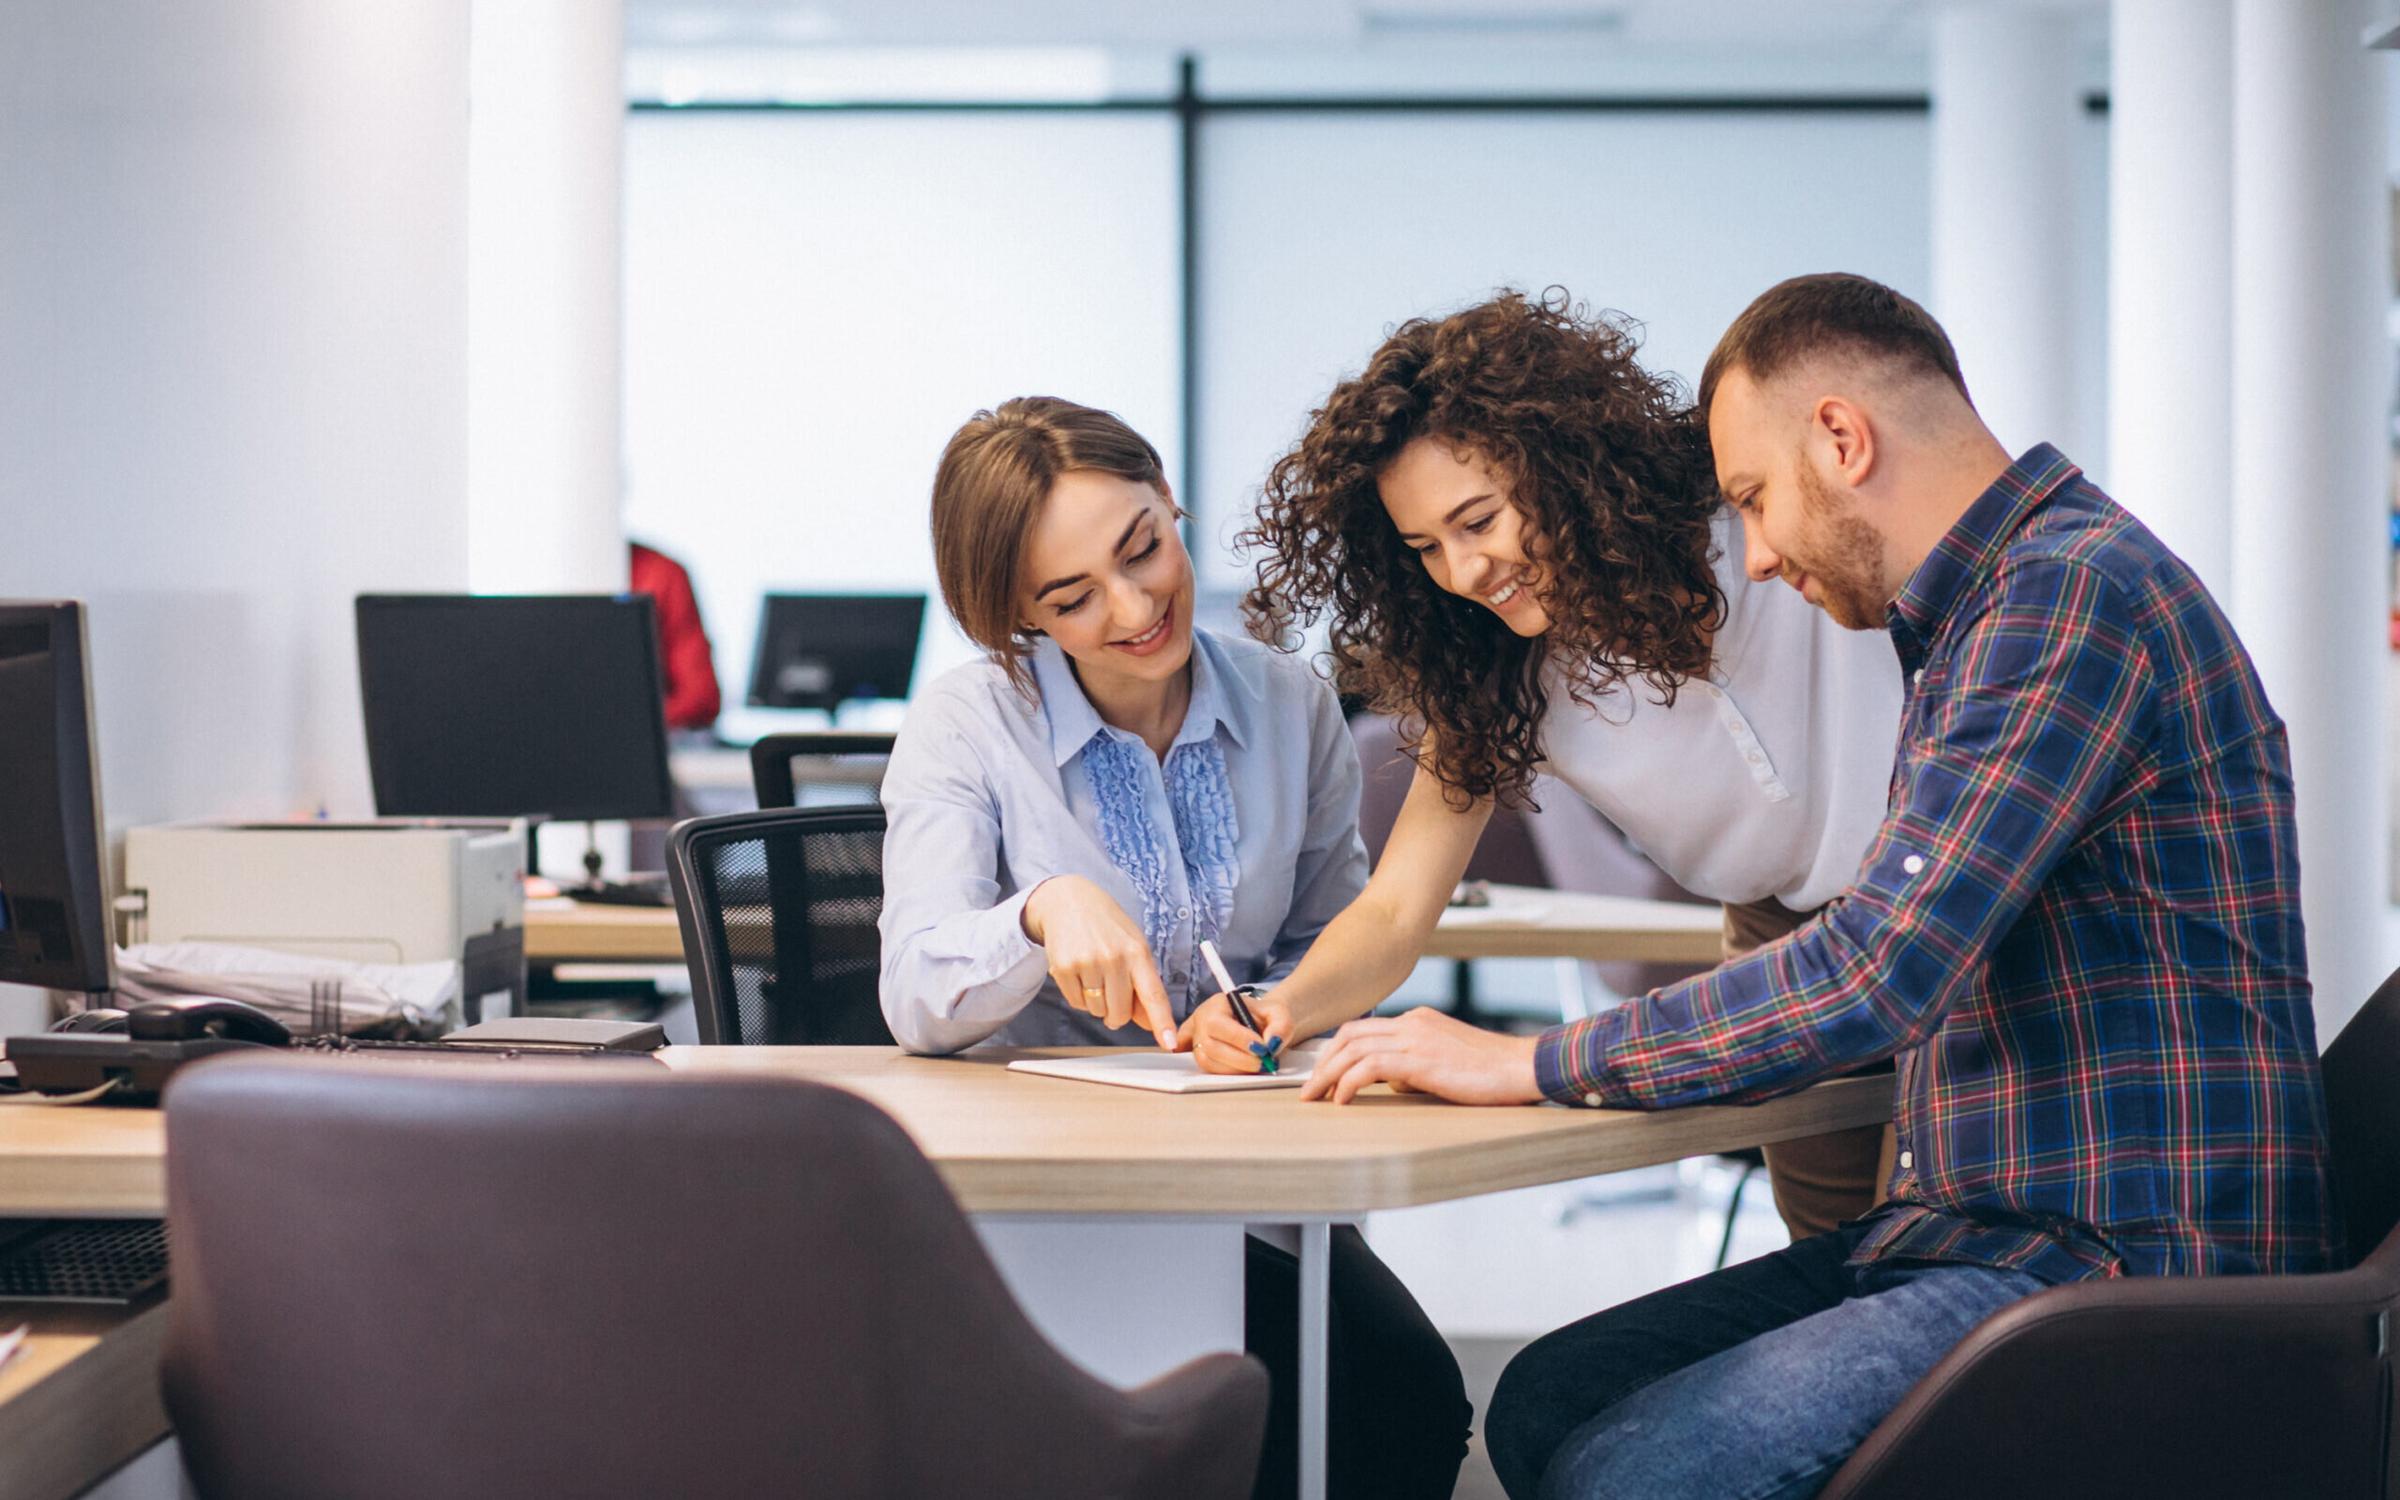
(1516, 533)
(1072, 816)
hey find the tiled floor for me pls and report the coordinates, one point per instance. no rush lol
(1481, 1360)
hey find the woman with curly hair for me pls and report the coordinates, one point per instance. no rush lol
(1516, 533)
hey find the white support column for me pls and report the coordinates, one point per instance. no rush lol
(2312, 390)
(545, 247)
(2170, 276)
(2005, 107)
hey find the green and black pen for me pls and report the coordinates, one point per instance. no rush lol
(1239, 997)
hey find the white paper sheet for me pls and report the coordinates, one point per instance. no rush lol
(1169, 1072)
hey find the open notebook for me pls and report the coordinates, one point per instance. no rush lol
(1168, 1072)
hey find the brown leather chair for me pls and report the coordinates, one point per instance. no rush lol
(2240, 1386)
(483, 1280)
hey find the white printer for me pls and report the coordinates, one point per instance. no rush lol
(387, 890)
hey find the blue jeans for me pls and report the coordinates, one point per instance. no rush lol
(1753, 1383)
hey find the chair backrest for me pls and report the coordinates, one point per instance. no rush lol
(810, 770)
(1506, 854)
(778, 909)
(485, 1280)
(2362, 1099)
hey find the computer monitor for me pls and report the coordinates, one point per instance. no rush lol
(54, 924)
(824, 650)
(528, 706)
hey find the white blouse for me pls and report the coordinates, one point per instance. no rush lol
(1770, 778)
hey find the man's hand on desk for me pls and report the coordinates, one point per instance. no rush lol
(1426, 1052)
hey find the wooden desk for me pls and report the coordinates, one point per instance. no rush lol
(1166, 1184)
(1013, 1143)
(81, 1400)
(1523, 922)
(1520, 923)
(561, 931)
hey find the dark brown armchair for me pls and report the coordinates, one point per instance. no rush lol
(2252, 1386)
(403, 1278)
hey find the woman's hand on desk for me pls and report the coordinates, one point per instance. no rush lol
(1221, 1044)
(1427, 1052)
(1098, 958)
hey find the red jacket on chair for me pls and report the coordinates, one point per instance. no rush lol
(690, 673)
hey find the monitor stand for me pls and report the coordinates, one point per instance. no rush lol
(632, 892)
(591, 853)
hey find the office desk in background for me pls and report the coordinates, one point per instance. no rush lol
(1065, 1181)
(1521, 922)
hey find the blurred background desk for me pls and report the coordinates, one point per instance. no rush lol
(1520, 923)
(562, 931)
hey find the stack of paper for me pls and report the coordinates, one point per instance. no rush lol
(306, 994)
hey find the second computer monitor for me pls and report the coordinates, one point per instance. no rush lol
(490, 706)
(53, 866)
(824, 650)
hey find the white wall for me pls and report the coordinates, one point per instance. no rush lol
(232, 341)
(232, 356)
(788, 388)
(815, 302)
(1322, 231)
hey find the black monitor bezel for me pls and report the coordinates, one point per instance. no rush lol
(762, 692)
(83, 823)
(382, 773)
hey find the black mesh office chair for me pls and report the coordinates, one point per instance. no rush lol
(830, 768)
(778, 909)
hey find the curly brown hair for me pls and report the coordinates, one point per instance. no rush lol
(1609, 465)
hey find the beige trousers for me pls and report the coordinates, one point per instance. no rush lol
(1819, 1180)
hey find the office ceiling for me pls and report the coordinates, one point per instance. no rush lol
(1746, 25)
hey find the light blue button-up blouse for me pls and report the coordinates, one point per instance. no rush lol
(1246, 834)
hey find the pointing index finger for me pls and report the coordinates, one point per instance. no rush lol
(1151, 1003)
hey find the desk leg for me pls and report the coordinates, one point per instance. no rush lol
(1316, 1266)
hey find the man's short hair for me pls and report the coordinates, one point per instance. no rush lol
(1831, 313)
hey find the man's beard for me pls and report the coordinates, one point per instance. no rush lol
(1846, 556)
